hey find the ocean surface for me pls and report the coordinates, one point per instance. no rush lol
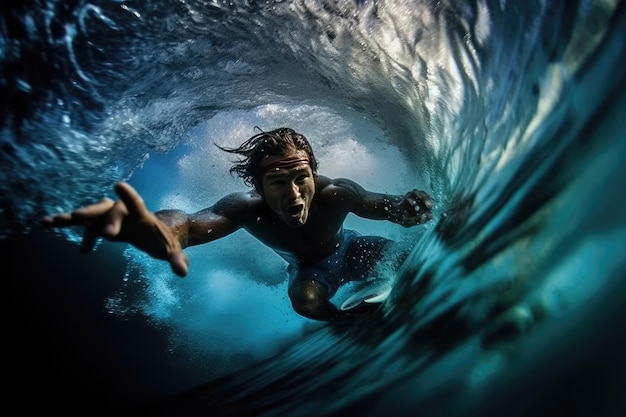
(509, 113)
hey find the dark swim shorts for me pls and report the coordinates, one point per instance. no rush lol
(354, 260)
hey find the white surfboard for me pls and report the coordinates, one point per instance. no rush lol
(368, 297)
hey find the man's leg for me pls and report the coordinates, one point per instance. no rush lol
(311, 299)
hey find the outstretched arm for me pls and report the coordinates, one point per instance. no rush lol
(408, 210)
(162, 235)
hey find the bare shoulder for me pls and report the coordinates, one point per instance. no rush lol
(339, 191)
(339, 186)
(242, 197)
(238, 205)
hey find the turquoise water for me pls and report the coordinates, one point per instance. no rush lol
(507, 113)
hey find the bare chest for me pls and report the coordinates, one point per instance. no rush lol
(316, 239)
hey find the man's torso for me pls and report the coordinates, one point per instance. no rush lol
(320, 236)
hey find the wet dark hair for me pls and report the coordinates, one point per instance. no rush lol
(278, 142)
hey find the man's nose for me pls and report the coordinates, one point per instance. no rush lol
(294, 191)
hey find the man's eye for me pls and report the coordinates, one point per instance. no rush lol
(277, 182)
(302, 179)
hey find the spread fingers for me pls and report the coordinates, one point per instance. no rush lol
(113, 221)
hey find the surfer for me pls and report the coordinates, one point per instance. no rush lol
(291, 209)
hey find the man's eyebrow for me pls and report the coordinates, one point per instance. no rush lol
(275, 174)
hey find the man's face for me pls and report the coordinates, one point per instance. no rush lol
(288, 187)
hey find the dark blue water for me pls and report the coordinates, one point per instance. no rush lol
(509, 114)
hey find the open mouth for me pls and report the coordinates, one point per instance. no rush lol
(295, 210)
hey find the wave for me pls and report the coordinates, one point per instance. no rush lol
(507, 113)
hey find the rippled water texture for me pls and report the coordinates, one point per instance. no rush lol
(508, 113)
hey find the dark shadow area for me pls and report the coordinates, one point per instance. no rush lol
(65, 350)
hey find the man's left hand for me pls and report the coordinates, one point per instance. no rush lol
(415, 208)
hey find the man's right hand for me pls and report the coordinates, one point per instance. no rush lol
(125, 220)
